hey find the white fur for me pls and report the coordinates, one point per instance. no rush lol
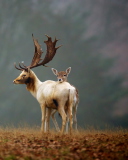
(46, 92)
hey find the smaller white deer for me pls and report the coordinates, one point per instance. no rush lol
(62, 77)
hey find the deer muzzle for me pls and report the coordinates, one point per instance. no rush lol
(60, 80)
(16, 81)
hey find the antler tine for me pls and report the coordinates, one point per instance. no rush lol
(24, 64)
(55, 41)
(22, 67)
(47, 36)
(58, 47)
(17, 67)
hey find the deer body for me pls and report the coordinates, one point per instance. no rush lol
(49, 94)
(62, 78)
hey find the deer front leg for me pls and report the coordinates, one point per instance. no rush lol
(54, 120)
(64, 118)
(43, 110)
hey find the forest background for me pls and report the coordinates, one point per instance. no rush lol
(94, 35)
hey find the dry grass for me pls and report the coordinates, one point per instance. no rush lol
(29, 144)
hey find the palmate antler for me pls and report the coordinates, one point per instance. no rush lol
(36, 61)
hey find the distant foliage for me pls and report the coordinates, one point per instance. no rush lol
(85, 29)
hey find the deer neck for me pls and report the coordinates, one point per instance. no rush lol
(33, 83)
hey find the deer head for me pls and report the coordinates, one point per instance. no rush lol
(62, 75)
(24, 77)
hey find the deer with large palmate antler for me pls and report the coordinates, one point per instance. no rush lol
(49, 94)
(62, 76)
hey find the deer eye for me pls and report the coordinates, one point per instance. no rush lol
(23, 75)
(65, 75)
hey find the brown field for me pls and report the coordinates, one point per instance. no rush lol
(29, 144)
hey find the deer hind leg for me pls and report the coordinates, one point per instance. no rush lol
(70, 118)
(67, 126)
(64, 118)
(70, 108)
(43, 110)
(47, 119)
(54, 120)
(74, 117)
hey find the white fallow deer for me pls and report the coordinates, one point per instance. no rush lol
(49, 94)
(62, 77)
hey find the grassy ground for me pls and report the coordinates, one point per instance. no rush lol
(30, 144)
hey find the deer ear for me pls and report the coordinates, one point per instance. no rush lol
(54, 71)
(68, 70)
